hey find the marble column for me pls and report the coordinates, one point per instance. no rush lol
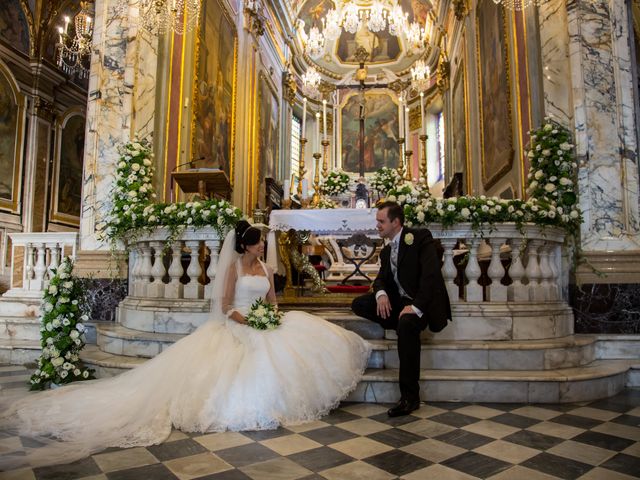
(121, 104)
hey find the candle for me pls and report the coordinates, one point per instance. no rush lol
(324, 119)
(285, 188)
(424, 125)
(292, 189)
(60, 31)
(304, 116)
(400, 118)
(317, 132)
(406, 124)
(305, 188)
(66, 24)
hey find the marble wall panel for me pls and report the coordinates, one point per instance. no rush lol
(103, 296)
(606, 308)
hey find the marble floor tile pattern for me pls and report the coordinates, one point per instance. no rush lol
(597, 440)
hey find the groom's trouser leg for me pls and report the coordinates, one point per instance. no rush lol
(366, 306)
(409, 345)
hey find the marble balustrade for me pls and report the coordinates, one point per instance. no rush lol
(34, 255)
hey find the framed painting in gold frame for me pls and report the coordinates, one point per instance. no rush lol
(11, 139)
(67, 168)
(494, 92)
(214, 89)
(268, 133)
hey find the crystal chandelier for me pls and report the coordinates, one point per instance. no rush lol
(517, 4)
(311, 82)
(74, 52)
(375, 16)
(420, 74)
(162, 16)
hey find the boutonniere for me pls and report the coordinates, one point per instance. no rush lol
(408, 239)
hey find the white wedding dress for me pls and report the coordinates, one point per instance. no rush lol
(223, 376)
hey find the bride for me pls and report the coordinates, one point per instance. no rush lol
(224, 376)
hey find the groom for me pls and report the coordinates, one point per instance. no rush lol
(408, 296)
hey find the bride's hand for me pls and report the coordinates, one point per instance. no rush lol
(238, 317)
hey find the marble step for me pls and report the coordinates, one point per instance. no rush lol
(600, 379)
(14, 327)
(567, 352)
(19, 352)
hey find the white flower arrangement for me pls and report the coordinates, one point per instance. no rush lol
(61, 332)
(552, 198)
(263, 316)
(337, 182)
(325, 203)
(385, 179)
(133, 210)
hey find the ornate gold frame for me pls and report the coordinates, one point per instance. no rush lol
(255, 171)
(489, 182)
(194, 85)
(461, 76)
(54, 214)
(13, 204)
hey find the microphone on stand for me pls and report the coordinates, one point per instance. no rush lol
(191, 163)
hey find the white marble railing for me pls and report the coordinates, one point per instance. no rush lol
(504, 264)
(35, 254)
(527, 266)
(158, 269)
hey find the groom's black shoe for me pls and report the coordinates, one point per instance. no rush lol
(403, 407)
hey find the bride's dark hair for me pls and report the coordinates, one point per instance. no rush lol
(246, 235)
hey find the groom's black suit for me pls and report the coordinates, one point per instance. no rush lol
(418, 271)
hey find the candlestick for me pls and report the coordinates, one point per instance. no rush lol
(316, 180)
(407, 164)
(66, 24)
(423, 161)
(317, 144)
(325, 160)
(422, 122)
(400, 168)
(400, 118)
(324, 119)
(407, 127)
(304, 116)
(301, 170)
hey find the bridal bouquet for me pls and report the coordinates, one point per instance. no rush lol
(263, 316)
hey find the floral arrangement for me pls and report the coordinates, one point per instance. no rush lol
(61, 331)
(133, 210)
(263, 316)
(325, 203)
(337, 182)
(385, 179)
(552, 198)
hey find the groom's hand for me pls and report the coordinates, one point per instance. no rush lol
(383, 306)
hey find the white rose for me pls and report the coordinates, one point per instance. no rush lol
(531, 154)
(153, 218)
(553, 178)
(465, 212)
(63, 374)
(420, 217)
(74, 334)
(451, 208)
(55, 323)
(64, 300)
(539, 174)
(77, 372)
(132, 193)
(53, 289)
(574, 214)
(66, 322)
(552, 214)
(74, 302)
(492, 211)
(565, 181)
(189, 221)
(78, 341)
(402, 198)
(85, 374)
(67, 284)
(548, 127)
(64, 275)
(122, 164)
(56, 362)
(147, 162)
(135, 167)
(566, 146)
(48, 327)
(510, 209)
(549, 187)
(534, 208)
(546, 152)
(484, 208)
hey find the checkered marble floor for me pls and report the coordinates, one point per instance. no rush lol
(597, 440)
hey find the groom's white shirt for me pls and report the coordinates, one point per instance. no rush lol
(379, 293)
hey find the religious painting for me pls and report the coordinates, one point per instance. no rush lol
(268, 131)
(382, 46)
(380, 114)
(494, 92)
(10, 139)
(459, 124)
(67, 184)
(313, 11)
(14, 29)
(213, 131)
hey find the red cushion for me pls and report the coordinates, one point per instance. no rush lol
(320, 268)
(348, 288)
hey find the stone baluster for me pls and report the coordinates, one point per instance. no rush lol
(133, 269)
(40, 269)
(554, 264)
(174, 289)
(473, 290)
(194, 289)
(517, 292)
(214, 253)
(533, 271)
(144, 273)
(54, 257)
(497, 291)
(156, 287)
(449, 269)
(546, 273)
(27, 275)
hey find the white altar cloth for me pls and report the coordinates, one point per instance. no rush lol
(336, 221)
